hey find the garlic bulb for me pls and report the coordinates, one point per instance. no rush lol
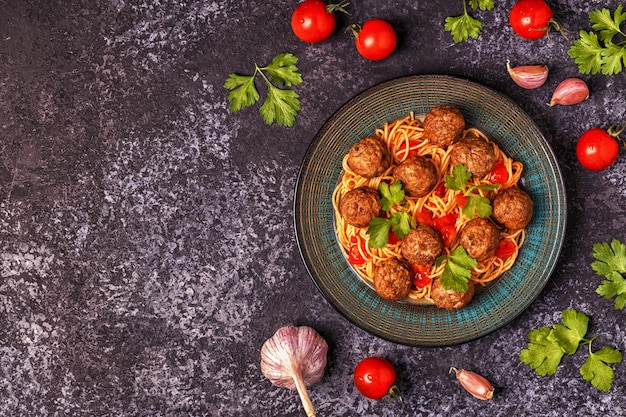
(475, 384)
(528, 76)
(570, 91)
(294, 358)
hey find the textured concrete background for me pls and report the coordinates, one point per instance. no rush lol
(147, 247)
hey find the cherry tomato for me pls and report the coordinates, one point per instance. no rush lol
(425, 216)
(354, 253)
(499, 174)
(596, 149)
(531, 19)
(445, 225)
(375, 40)
(440, 191)
(505, 249)
(413, 151)
(393, 238)
(461, 200)
(314, 20)
(420, 275)
(375, 377)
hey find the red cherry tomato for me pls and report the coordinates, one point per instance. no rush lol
(420, 275)
(375, 40)
(440, 191)
(531, 19)
(413, 151)
(461, 200)
(597, 149)
(357, 246)
(393, 238)
(445, 225)
(375, 377)
(425, 216)
(505, 249)
(499, 174)
(314, 20)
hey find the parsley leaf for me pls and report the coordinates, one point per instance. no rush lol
(464, 26)
(573, 330)
(596, 52)
(595, 369)
(281, 105)
(475, 204)
(543, 353)
(379, 227)
(391, 194)
(457, 272)
(611, 263)
(547, 346)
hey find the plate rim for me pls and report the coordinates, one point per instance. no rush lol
(435, 78)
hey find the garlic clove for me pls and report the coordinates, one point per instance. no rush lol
(475, 384)
(570, 91)
(293, 358)
(528, 76)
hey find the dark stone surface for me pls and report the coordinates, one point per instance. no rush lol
(147, 247)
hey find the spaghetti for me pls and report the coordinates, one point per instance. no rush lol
(404, 139)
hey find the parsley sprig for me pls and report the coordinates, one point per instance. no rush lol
(611, 264)
(465, 26)
(475, 204)
(604, 48)
(547, 346)
(398, 221)
(281, 105)
(457, 271)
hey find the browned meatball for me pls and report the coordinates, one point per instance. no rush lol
(417, 174)
(444, 125)
(392, 279)
(422, 245)
(369, 157)
(513, 208)
(359, 206)
(476, 154)
(450, 299)
(480, 238)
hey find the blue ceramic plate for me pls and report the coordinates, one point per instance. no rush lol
(419, 325)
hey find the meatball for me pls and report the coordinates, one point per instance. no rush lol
(392, 279)
(476, 154)
(417, 174)
(480, 238)
(369, 157)
(512, 208)
(450, 299)
(359, 206)
(444, 125)
(422, 245)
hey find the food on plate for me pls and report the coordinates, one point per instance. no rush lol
(480, 238)
(422, 245)
(513, 208)
(435, 231)
(448, 298)
(392, 279)
(359, 206)
(375, 39)
(375, 378)
(369, 157)
(417, 174)
(444, 125)
(476, 153)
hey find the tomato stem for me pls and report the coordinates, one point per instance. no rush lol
(338, 7)
(394, 393)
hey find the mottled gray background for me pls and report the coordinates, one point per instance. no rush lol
(147, 247)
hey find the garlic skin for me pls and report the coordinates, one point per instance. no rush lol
(293, 358)
(528, 76)
(475, 384)
(570, 91)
